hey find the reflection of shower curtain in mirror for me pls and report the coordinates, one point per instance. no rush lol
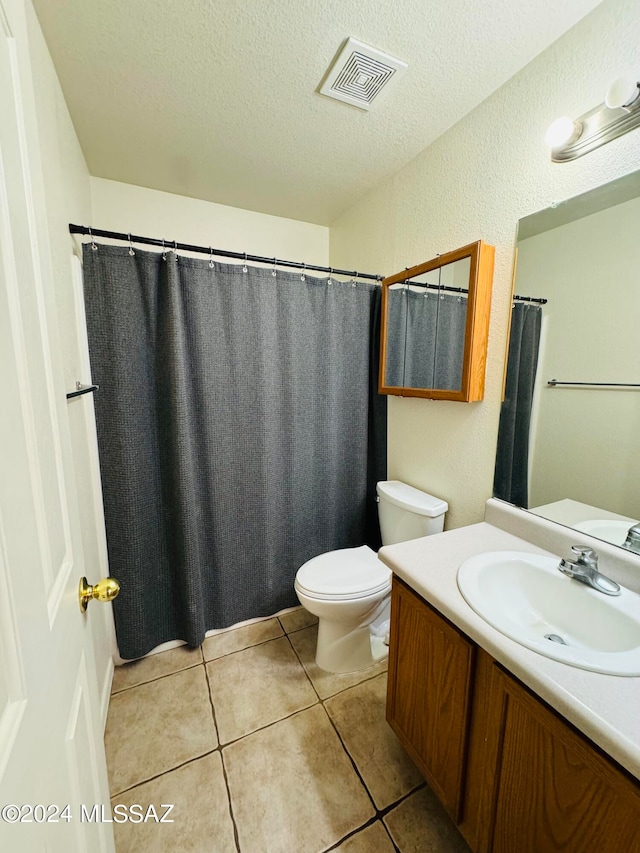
(425, 335)
(511, 481)
(240, 434)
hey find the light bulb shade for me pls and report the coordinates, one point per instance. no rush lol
(563, 131)
(622, 92)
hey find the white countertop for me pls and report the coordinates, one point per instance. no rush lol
(606, 708)
(570, 512)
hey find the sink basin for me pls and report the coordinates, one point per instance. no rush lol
(609, 529)
(525, 597)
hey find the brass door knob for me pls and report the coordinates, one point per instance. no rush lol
(105, 590)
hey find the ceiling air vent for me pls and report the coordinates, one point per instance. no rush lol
(360, 73)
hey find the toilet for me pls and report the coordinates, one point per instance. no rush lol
(349, 590)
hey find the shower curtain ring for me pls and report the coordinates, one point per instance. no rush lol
(329, 280)
(274, 271)
(131, 252)
(164, 252)
(210, 258)
(244, 265)
(175, 249)
(94, 245)
(303, 275)
(354, 277)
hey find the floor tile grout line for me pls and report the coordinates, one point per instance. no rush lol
(295, 630)
(204, 660)
(358, 683)
(217, 748)
(396, 849)
(244, 648)
(236, 835)
(224, 769)
(348, 754)
(342, 689)
(268, 725)
(379, 815)
(351, 833)
(382, 813)
(360, 829)
(213, 708)
(304, 669)
(223, 745)
(165, 772)
(155, 678)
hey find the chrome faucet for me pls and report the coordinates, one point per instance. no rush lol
(632, 542)
(585, 570)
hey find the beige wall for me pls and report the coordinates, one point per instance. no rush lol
(586, 440)
(67, 198)
(475, 182)
(151, 213)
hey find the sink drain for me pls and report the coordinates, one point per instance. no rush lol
(555, 638)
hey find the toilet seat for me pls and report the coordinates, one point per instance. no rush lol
(348, 573)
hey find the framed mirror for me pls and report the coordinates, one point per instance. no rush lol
(435, 324)
(568, 449)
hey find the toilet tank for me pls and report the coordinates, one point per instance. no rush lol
(407, 513)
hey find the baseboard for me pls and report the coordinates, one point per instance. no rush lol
(105, 694)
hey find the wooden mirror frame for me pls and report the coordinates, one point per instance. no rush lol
(481, 257)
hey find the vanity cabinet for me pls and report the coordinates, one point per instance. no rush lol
(519, 777)
(429, 693)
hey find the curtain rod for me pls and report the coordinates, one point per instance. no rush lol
(450, 289)
(428, 286)
(536, 299)
(555, 382)
(172, 245)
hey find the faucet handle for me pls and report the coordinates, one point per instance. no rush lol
(632, 542)
(585, 554)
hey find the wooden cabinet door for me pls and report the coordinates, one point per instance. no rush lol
(554, 791)
(430, 667)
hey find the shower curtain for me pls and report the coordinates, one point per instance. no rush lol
(240, 434)
(426, 332)
(511, 482)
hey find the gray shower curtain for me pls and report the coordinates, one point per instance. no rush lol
(511, 481)
(426, 332)
(240, 434)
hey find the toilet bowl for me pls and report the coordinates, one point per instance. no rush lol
(349, 589)
(344, 589)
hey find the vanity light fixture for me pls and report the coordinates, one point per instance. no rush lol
(569, 139)
(563, 131)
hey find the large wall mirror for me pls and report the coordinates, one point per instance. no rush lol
(569, 441)
(435, 321)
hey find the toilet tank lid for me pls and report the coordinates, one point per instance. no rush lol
(412, 499)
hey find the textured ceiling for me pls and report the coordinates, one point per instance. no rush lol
(217, 99)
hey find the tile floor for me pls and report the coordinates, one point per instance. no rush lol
(260, 751)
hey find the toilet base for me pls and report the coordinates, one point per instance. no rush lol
(343, 648)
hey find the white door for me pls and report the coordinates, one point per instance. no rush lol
(51, 752)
